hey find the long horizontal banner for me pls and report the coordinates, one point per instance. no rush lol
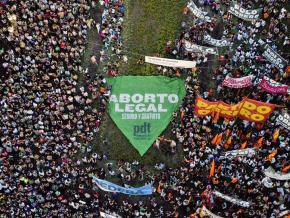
(248, 15)
(236, 153)
(273, 57)
(247, 109)
(270, 172)
(197, 12)
(170, 62)
(271, 86)
(238, 82)
(283, 120)
(191, 47)
(108, 215)
(232, 200)
(111, 187)
(216, 42)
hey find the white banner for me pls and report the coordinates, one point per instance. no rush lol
(241, 152)
(284, 120)
(206, 212)
(170, 62)
(232, 200)
(197, 12)
(270, 172)
(216, 42)
(249, 15)
(190, 47)
(273, 57)
(107, 215)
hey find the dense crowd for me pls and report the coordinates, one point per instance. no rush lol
(49, 121)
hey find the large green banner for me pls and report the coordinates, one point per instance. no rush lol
(142, 106)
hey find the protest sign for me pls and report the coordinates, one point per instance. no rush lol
(251, 110)
(235, 153)
(271, 86)
(111, 187)
(215, 42)
(197, 12)
(191, 47)
(232, 200)
(273, 57)
(270, 172)
(142, 106)
(170, 62)
(283, 120)
(248, 15)
(238, 82)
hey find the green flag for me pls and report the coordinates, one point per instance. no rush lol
(142, 106)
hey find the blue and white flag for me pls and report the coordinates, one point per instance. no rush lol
(111, 187)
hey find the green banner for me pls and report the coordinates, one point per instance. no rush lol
(142, 106)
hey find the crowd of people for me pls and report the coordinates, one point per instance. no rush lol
(49, 119)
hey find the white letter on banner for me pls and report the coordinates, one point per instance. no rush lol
(129, 108)
(124, 98)
(140, 108)
(161, 97)
(137, 98)
(113, 98)
(173, 98)
(117, 108)
(151, 108)
(149, 98)
(160, 109)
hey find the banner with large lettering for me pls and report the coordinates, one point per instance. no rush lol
(273, 57)
(215, 42)
(235, 153)
(197, 12)
(248, 109)
(244, 14)
(111, 187)
(170, 62)
(270, 172)
(191, 47)
(283, 120)
(232, 200)
(142, 106)
(271, 86)
(238, 83)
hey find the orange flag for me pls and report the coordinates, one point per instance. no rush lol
(213, 141)
(285, 169)
(219, 139)
(211, 173)
(259, 143)
(276, 134)
(273, 153)
(244, 145)
(159, 188)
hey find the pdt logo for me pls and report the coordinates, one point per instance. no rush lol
(142, 130)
